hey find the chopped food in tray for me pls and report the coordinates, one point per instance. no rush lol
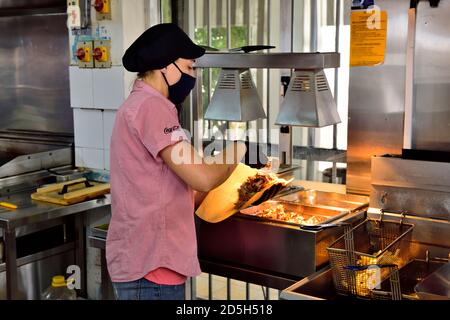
(278, 213)
(285, 213)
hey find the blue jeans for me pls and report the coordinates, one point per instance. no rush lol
(143, 289)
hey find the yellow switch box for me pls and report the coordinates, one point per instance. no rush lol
(84, 54)
(101, 53)
(103, 9)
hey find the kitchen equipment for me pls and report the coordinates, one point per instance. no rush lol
(293, 214)
(403, 190)
(370, 277)
(409, 276)
(316, 198)
(268, 192)
(321, 226)
(15, 164)
(66, 174)
(235, 97)
(379, 242)
(271, 192)
(226, 108)
(270, 252)
(71, 192)
(436, 286)
(308, 101)
(410, 105)
(248, 248)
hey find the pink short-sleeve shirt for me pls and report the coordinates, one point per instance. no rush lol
(152, 223)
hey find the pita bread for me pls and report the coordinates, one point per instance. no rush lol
(220, 202)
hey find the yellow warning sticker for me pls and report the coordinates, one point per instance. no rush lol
(368, 37)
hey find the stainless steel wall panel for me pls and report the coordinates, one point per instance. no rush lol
(418, 187)
(34, 75)
(30, 4)
(431, 126)
(376, 102)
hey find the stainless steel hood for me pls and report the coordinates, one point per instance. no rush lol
(308, 101)
(230, 105)
(235, 98)
(27, 151)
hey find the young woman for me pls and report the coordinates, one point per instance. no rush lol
(151, 246)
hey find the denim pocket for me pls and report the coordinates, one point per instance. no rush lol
(127, 290)
(173, 292)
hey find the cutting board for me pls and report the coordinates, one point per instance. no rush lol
(70, 192)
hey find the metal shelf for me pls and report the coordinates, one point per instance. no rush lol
(304, 61)
(41, 255)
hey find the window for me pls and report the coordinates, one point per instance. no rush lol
(226, 24)
(295, 25)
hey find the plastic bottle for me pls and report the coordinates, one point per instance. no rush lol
(59, 290)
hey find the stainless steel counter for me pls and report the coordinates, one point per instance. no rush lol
(32, 212)
(32, 216)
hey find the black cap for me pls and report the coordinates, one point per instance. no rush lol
(158, 47)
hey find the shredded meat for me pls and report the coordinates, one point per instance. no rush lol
(279, 213)
(252, 186)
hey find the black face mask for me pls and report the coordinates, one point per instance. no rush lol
(180, 90)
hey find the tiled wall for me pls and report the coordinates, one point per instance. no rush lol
(95, 97)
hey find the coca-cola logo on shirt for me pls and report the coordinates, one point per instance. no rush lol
(170, 130)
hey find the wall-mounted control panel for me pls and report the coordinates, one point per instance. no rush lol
(102, 53)
(84, 54)
(94, 54)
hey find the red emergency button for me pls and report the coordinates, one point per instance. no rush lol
(98, 5)
(98, 53)
(81, 54)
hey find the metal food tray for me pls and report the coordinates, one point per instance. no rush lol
(326, 199)
(324, 215)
